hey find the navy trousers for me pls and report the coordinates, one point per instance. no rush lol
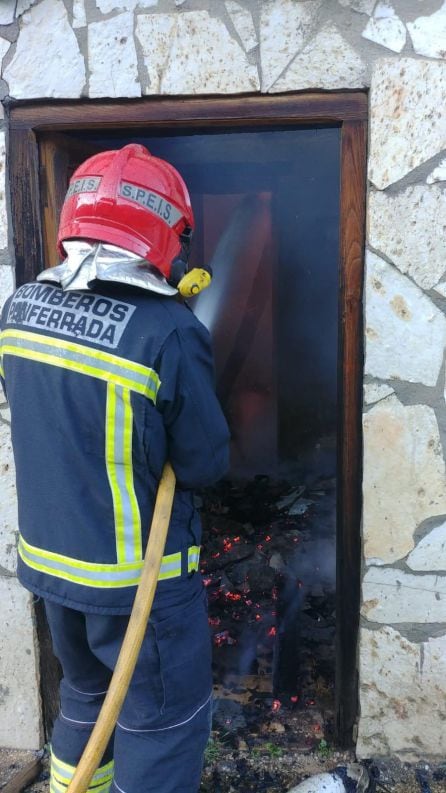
(164, 725)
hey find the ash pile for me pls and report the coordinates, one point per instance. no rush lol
(268, 563)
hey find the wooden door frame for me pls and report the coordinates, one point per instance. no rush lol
(347, 109)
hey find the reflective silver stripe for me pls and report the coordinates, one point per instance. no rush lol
(91, 574)
(170, 567)
(193, 558)
(82, 359)
(65, 771)
(119, 463)
(60, 787)
(153, 202)
(62, 773)
(88, 184)
(112, 577)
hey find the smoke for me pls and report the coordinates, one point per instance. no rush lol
(225, 260)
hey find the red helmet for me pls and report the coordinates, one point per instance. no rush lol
(131, 199)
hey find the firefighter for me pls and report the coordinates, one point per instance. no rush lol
(108, 375)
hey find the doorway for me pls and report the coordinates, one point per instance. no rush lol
(279, 199)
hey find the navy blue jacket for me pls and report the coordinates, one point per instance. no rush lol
(104, 387)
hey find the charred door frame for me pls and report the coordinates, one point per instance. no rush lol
(349, 110)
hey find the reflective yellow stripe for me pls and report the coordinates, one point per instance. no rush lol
(193, 558)
(58, 787)
(62, 774)
(171, 567)
(119, 463)
(81, 359)
(128, 469)
(110, 454)
(90, 573)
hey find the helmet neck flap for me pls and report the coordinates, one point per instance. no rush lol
(88, 262)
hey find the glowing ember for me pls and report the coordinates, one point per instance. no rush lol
(224, 637)
(233, 595)
(207, 581)
(268, 538)
(216, 555)
(236, 539)
(310, 702)
(214, 620)
(272, 631)
(259, 617)
(294, 699)
(276, 705)
(227, 545)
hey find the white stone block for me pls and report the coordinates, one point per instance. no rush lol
(8, 500)
(402, 695)
(79, 15)
(441, 288)
(374, 392)
(23, 5)
(405, 333)
(47, 62)
(7, 8)
(407, 117)
(327, 61)
(428, 34)
(386, 28)
(204, 59)
(438, 174)
(7, 283)
(430, 553)
(5, 412)
(284, 28)
(243, 23)
(112, 58)
(20, 725)
(124, 5)
(393, 596)
(404, 480)
(156, 33)
(408, 228)
(362, 6)
(4, 47)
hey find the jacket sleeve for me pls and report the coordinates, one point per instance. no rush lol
(197, 432)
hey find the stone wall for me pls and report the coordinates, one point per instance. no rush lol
(131, 48)
(20, 725)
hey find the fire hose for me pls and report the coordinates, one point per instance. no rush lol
(133, 638)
